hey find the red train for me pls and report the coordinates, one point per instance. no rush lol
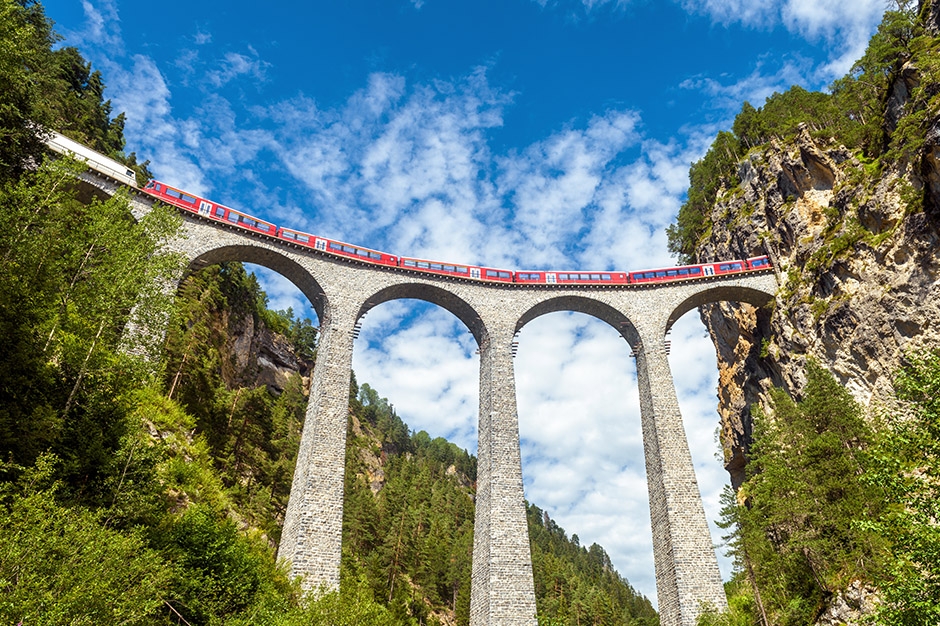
(221, 213)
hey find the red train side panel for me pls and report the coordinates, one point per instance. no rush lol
(460, 271)
(207, 208)
(338, 247)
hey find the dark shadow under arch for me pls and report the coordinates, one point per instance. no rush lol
(273, 260)
(588, 306)
(434, 295)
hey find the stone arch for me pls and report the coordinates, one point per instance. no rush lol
(587, 305)
(270, 258)
(433, 294)
(719, 293)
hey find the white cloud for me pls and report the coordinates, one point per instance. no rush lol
(844, 27)
(102, 27)
(423, 358)
(761, 83)
(234, 64)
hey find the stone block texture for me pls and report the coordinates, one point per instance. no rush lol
(342, 291)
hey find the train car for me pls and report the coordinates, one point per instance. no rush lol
(758, 263)
(684, 272)
(460, 271)
(95, 160)
(208, 208)
(572, 278)
(337, 247)
(702, 270)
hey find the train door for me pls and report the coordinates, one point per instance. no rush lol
(204, 208)
(550, 278)
(475, 272)
(709, 270)
(320, 244)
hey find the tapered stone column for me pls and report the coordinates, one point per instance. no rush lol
(313, 525)
(687, 575)
(502, 591)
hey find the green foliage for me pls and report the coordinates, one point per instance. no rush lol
(716, 170)
(62, 565)
(75, 279)
(578, 585)
(252, 434)
(854, 114)
(411, 543)
(796, 535)
(906, 465)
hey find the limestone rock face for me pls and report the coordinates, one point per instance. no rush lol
(856, 255)
(850, 607)
(261, 356)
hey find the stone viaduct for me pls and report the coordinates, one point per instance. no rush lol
(343, 291)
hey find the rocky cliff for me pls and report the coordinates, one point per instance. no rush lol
(854, 242)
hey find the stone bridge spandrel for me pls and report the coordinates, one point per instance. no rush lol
(343, 291)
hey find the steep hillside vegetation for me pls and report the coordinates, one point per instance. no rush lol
(842, 190)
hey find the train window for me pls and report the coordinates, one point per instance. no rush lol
(695, 270)
(408, 263)
(503, 274)
(288, 235)
(249, 222)
(435, 266)
(233, 217)
(448, 268)
(683, 272)
(423, 265)
(335, 246)
(672, 273)
(649, 275)
(349, 249)
(490, 274)
(660, 274)
(219, 211)
(462, 270)
(130, 173)
(595, 276)
(605, 276)
(303, 238)
(759, 262)
(562, 277)
(375, 255)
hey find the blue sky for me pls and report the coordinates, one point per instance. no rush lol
(519, 133)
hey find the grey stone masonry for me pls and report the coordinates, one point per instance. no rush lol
(342, 291)
(686, 568)
(315, 507)
(502, 589)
